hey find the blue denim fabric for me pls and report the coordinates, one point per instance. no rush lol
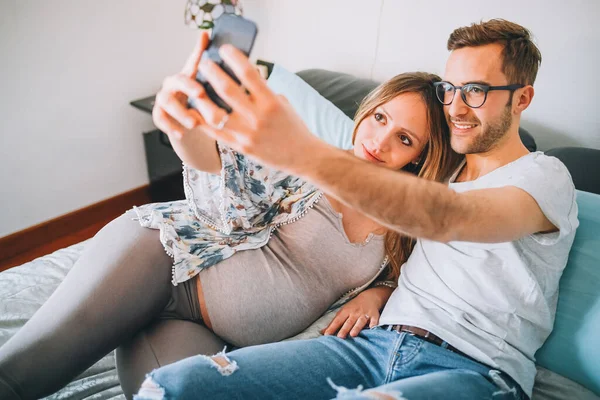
(379, 360)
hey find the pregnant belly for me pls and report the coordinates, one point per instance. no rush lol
(250, 305)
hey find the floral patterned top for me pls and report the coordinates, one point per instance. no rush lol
(222, 215)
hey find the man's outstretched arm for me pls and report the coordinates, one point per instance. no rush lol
(421, 208)
(265, 126)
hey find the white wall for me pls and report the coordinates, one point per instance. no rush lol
(68, 69)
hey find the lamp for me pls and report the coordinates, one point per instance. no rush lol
(200, 14)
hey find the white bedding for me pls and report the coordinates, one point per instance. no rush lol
(23, 289)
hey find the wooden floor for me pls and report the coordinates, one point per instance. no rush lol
(52, 246)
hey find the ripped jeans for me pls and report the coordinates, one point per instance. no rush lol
(377, 364)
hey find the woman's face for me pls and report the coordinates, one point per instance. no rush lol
(395, 133)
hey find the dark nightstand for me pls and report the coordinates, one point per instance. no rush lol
(164, 166)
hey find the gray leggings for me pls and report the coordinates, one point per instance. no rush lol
(118, 293)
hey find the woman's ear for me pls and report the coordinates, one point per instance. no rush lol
(419, 158)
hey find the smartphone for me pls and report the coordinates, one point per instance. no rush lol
(228, 29)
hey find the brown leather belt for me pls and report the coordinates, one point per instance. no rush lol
(429, 337)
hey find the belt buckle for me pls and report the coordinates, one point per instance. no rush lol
(427, 336)
(405, 329)
(411, 333)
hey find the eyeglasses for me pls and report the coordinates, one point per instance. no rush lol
(473, 94)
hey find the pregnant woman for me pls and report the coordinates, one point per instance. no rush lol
(252, 255)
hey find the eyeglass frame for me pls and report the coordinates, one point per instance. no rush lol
(486, 89)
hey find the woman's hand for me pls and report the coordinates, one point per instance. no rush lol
(184, 125)
(170, 113)
(357, 313)
(262, 124)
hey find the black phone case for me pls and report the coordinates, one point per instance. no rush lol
(228, 29)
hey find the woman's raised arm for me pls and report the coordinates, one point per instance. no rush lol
(184, 125)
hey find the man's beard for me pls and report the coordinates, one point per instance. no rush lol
(488, 138)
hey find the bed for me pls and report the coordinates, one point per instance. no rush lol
(23, 289)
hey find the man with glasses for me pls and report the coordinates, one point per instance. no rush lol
(477, 297)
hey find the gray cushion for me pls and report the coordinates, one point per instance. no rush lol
(583, 164)
(552, 386)
(343, 90)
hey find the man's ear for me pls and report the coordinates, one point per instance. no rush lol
(523, 98)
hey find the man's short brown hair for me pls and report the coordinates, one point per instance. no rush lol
(521, 57)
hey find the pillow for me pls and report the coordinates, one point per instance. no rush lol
(573, 347)
(323, 118)
(345, 91)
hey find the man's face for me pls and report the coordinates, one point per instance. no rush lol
(478, 130)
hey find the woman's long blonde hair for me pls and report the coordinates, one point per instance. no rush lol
(437, 160)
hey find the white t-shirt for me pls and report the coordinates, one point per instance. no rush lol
(495, 302)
